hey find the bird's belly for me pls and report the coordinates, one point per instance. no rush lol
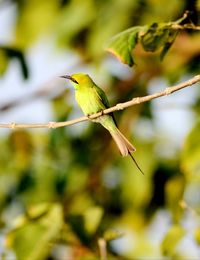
(89, 102)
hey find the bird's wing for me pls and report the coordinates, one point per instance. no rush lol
(102, 96)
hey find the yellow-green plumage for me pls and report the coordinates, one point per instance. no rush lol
(92, 99)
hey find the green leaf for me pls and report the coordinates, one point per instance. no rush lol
(35, 18)
(152, 38)
(157, 36)
(14, 53)
(197, 235)
(111, 234)
(4, 62)
(92, 218)
(190, 159)
(174, 190)
(123, 43)
(33, 239)
(168, 43)
(171, 240)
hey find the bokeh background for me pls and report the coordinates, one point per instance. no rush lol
(64, 190)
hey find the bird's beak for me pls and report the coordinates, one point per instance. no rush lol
(69, 77)
(66, 77)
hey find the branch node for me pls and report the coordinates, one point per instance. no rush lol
(168, 91)
(119, 106)
(51, 125)
(137, 100)
(89, 117)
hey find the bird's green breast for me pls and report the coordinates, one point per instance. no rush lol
(89, 100)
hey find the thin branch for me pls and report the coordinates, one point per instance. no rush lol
(120, 106)
(188, 26)
(102, 248)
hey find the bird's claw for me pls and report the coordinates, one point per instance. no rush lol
(102, 112)
(89, 116)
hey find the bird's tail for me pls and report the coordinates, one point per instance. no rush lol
(124, 146)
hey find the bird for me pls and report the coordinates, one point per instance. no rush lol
(92, 99)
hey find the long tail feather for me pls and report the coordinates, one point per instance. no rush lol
(136, 163)
(124, 146)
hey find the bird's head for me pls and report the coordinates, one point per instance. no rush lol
(79, 79)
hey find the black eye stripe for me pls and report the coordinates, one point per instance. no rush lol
(75, 81)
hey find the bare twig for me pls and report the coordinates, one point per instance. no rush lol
(120, 106)
(102, 248)
(186, 26)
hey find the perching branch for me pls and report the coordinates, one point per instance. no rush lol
(119, 106)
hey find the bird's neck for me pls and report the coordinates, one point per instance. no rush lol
(82, 87)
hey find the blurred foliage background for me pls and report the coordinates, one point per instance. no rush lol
(64, 191)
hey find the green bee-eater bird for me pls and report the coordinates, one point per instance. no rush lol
(92, 99)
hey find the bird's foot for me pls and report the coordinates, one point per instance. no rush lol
(102, 112)
(89, 116)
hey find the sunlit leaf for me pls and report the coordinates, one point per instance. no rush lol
(171, 240)
(68, 24)
(197, 235)
(174, 190)
(190, 159)
(112, 235)
(33, 239)
(151, 37)
(35, 17)
(123, 44)
(92, 218)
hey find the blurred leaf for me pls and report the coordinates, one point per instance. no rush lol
(137, 190)
(174, 190)
(112, 235)
(190, 158)
(21, 145)
(38, 210)
(197, 235)
(4, 61)
(112, 17)
(152, 38)
(92, 218)
(68, 24)
(35, 17)
(171, 240)
(198, 5)
(7, 53)
(33, 239)
(60, 108)
(77, 224)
